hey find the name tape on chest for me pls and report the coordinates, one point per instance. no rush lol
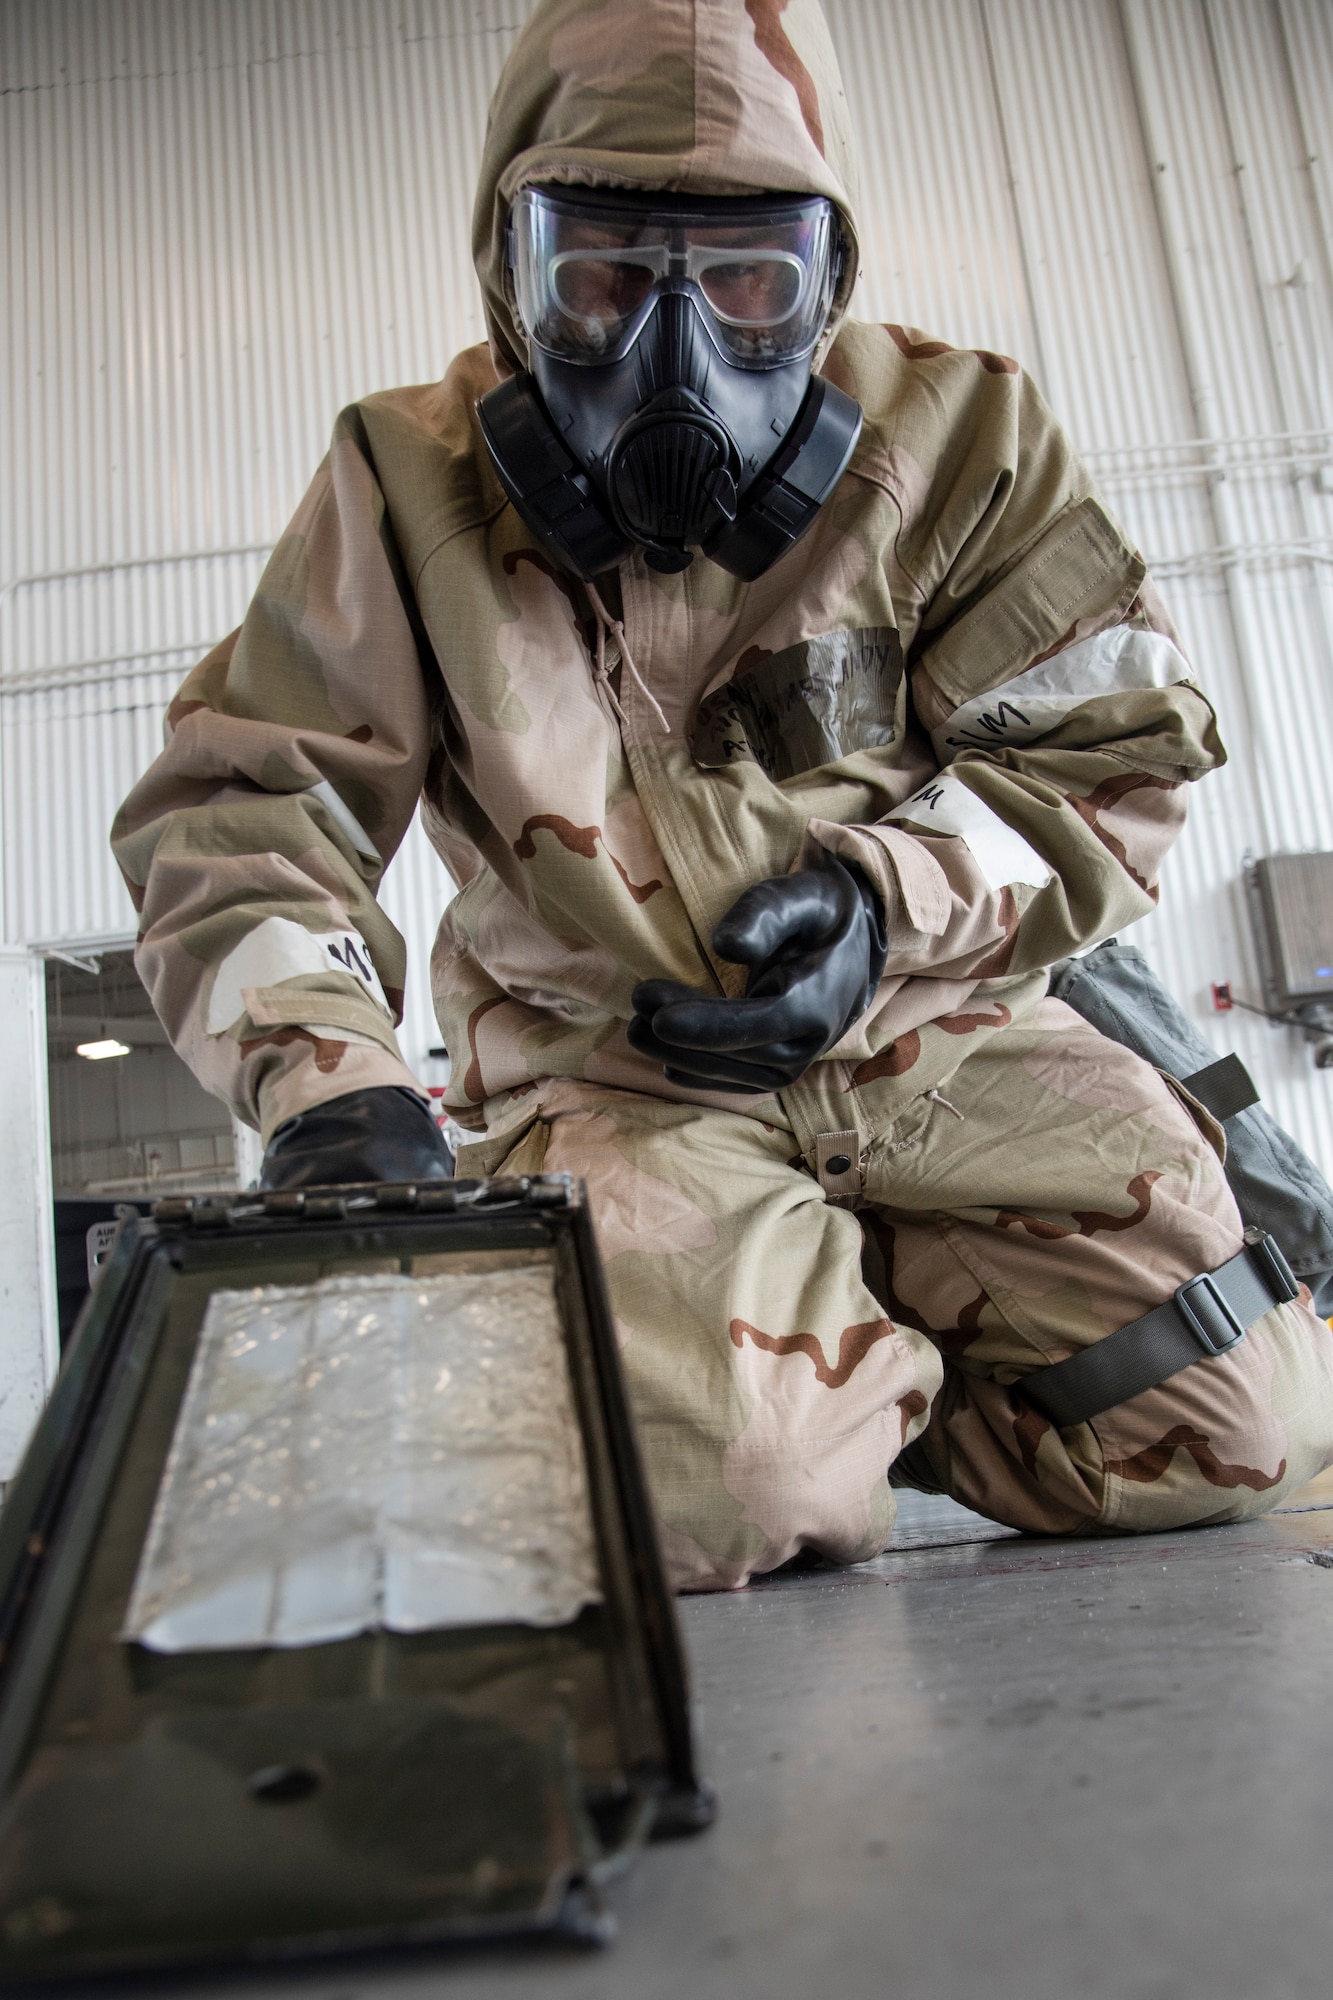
(947, 806)
(279, 949)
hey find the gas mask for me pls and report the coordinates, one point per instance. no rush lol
(671, 405)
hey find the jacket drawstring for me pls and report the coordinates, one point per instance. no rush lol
(615, 626)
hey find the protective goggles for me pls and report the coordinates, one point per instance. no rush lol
(588, 271)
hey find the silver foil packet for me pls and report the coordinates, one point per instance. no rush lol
(371, 1451)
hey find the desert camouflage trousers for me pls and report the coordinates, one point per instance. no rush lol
(782, 1352)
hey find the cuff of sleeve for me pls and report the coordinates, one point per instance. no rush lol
(315, 1070)
(293, 1006)
(910, 882)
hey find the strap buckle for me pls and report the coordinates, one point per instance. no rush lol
(1273, 1266)
(1207, 1314)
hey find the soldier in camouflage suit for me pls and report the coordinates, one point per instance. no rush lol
(961, 679)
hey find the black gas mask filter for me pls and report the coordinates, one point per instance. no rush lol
(671, 405)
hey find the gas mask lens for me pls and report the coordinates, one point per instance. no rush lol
(588, 272)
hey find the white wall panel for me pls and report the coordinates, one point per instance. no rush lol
(225, 221)
(1081, 186)
(65, 756)
(940, 246)
(1308, 35)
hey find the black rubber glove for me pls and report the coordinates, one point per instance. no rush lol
(369, 1135)
(815, 944)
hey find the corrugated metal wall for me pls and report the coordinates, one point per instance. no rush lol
(225, 221)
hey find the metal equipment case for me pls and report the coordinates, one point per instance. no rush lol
(380, 1789)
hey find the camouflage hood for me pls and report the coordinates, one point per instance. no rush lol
(708, 97)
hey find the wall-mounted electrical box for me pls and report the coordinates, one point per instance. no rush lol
(1293, 920)
(1295, 898)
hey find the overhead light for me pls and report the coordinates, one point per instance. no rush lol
(99, 1051)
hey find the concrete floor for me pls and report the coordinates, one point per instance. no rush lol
(981, 1766)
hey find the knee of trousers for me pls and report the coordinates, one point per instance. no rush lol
(1228, 1437)
(804, 1462)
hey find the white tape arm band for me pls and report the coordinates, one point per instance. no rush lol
(279, 949)
(1034, 702)
(945, 805)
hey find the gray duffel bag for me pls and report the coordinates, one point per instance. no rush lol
(1277, 1186)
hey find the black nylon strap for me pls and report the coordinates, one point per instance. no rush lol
(1224, 1087)
(1207, 1315)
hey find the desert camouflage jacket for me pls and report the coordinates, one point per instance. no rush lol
(961, 677)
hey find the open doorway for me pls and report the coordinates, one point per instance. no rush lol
(127, 1117)
(129, 1122)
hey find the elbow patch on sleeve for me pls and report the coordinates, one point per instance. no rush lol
(1080, 567)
